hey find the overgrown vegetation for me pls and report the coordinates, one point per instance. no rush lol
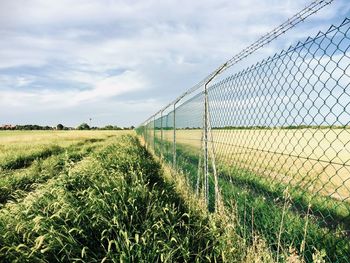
(113, 205)
(301, 223)
(14, 182)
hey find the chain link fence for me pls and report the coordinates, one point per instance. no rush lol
(272, 143)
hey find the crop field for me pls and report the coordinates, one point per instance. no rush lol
(316, 159)
(97, 196)
(90, 196)
(28, 158)
(295, 180)
(19, 148)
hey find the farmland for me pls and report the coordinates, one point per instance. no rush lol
(289, 178)
(100, 196)
(317, 159)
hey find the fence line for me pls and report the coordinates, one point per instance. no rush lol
(273, 141)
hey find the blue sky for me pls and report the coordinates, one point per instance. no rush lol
(118, 62)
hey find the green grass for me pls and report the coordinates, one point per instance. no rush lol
(23, 160)
(112, 206)
(16, 183)
(18, 149)
(259, 206)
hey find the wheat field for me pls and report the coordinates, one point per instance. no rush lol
(316, 159)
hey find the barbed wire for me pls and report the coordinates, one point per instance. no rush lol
(290, 23)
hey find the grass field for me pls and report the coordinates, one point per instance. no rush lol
(278, 179)
(316, 159)
(19, 148)
(31, 157)
(92, 196)
(101, 197)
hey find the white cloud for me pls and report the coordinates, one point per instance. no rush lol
(113, 86)
(161, 47)
(103, 89)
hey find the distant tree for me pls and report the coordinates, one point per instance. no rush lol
(60, 127)
(132, 127)
(83, 126)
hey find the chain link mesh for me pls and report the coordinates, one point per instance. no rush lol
(278, 145)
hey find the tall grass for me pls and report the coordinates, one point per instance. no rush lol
(112, 206)
(16, 184)
(25, 158)
(326, 219)
(17, 159)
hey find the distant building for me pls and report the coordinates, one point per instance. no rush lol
(7, 127)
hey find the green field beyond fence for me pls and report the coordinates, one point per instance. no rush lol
(272, 143)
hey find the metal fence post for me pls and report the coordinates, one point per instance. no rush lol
(145, 134)
(149, 134)
(154, 133)
(174, 138)
(207, 130)
(206, 127)
(161, 133)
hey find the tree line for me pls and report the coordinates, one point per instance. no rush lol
(61, 127)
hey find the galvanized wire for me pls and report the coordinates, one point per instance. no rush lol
(277, 136)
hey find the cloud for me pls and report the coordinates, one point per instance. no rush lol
(102, 89)
(64, 54)
(113, 86)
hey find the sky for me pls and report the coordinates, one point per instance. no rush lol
(119, 61)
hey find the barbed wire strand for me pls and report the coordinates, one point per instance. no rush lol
(290, 23)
